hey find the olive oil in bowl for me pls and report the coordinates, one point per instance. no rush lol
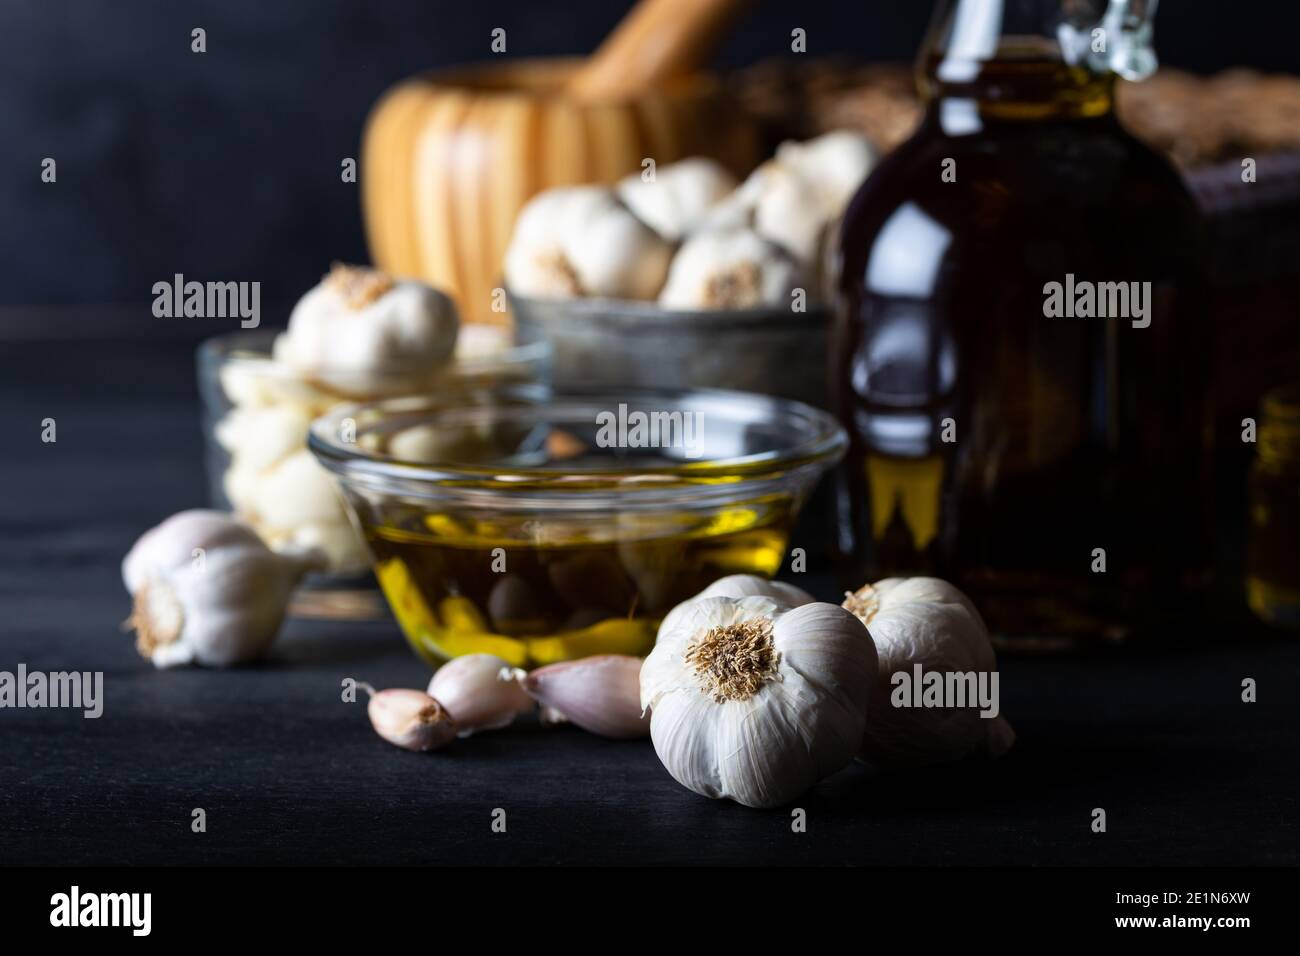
(523, 525)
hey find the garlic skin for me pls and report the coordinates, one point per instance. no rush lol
(731, 269)
(362, 333)
(581, 241)
(756, 701)
(751, 585)
(207, 590)
(600, 694)
(680, 196)
(480, 692)
(930, 622)
(410, 719)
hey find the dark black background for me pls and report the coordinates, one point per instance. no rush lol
(226, 164)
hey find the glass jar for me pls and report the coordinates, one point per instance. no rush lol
(256, 416)
(1273, 552)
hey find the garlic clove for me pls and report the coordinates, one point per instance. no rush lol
(205, 589)
(600, 694)
(296, 491)
(480, 691)
(411, 719)
(257, 438)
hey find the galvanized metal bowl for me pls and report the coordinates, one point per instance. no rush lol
(638, 344)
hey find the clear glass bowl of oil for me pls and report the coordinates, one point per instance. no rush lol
(541, 525)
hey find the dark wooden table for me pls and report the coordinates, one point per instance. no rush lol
(288, 773)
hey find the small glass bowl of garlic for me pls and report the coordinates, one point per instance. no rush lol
(262, 388)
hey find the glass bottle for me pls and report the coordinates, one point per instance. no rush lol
(1273, 554)
(1050, 463)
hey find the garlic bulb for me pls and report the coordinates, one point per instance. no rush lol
(410, 719)
(363, 333)
(580, 240)
(930, 623)
(206, 590)
(794, 199)
(754, 700)
(600, 694)
(834, 165)
(731, 269)
(480, 692)
(679, 197)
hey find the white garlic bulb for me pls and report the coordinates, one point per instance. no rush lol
(580, 240)
(754, 700)
(927, 622)
(731, 269)
(600, 694)
(206, 590)
(834, 165)
(679, 197)
(481, 693)
(363, 333)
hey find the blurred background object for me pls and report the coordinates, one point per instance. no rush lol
(227, 163)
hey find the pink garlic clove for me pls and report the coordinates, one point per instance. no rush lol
(600, 694)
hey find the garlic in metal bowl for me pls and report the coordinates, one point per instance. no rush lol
(581, 241)
(679, 196)
(731, 269)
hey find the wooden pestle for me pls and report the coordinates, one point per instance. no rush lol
(657, 40)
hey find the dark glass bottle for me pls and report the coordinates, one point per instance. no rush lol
(1051, 465)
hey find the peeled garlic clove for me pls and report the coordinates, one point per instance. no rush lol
(297, 491)
(480, 692)
(257, 438)
(600, 694)
(411, 719)
(731, 269)
(207, 590)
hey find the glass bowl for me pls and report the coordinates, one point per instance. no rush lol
(256, 414)
(547, 525)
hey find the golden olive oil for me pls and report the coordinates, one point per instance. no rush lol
(536, 590)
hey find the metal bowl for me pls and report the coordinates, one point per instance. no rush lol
(617, 343)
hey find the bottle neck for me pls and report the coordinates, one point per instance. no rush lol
(1033, 59)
